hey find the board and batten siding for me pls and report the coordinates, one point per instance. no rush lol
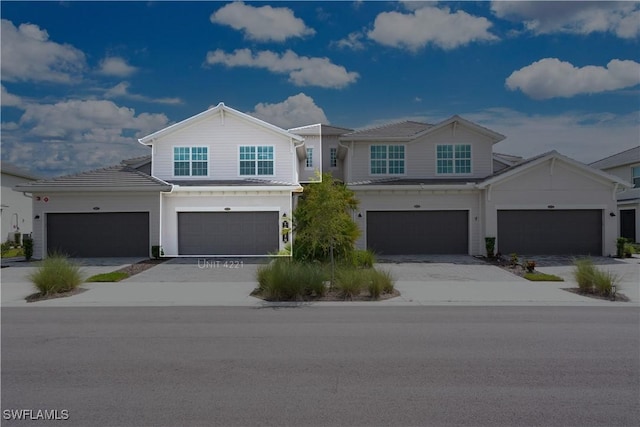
(553, 186)
(420, 155)
(85, 203)
(218, 201)
(223, 137)
(400, 200)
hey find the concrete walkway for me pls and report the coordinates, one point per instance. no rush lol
(463, 281)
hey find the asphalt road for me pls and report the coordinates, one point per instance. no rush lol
(323, 366)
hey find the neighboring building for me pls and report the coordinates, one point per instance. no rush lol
(626, 165)
(223, 183)
(16, 209)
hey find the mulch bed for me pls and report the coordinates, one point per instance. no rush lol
(618, 297)
(335, 296)
(38, 296)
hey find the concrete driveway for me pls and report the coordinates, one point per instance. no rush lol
(459, 280)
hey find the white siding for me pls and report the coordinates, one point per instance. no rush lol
(329, 142)
(217, 201)
(420, 155)
(401, 200)
(315, 143)
(86, 202)
(223, 136)
(16, 208)
(562, 186)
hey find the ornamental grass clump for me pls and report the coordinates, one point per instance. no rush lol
(56, 274)
(603, 281)
(381, 282)
(351, 281)
(584, 273)
(286, 280)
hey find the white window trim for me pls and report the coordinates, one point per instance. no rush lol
(256, 160)
(634, 177)
(306, 164)
(454, 159)
(173, 162)
(387, 160)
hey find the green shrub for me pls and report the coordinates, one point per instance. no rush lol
(28, 248)
(513, 259)
(620, 243)
(286, 280)
(603, 281)
(543, 277)
(363, 258)
(530, 266)
(490, 246)
(5, 246)
(380, 282)
(56, 274)
(628, 250)
(583, 273)
(351, 281)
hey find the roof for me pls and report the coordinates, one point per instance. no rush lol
(325, 129)
(11, 169)
(532, 161)
(136, 162)
(627, 157)
(114, 178)
(407, 129)
(418, 181)
(507, 159)
(220, 108)
(236, 182)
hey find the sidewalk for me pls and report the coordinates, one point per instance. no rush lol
(177, 283)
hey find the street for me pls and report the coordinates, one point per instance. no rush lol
(323, 366)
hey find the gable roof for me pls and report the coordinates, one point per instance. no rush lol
(113, 178)
(506, 159)
(11, 169)
(409, 130)
(541, 158)
(220, 108)
(625, 157)
(324, 129)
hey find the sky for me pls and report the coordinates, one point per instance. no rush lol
(82, 81)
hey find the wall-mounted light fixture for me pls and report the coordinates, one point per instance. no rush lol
(359, 214)
(612, 214)
(36, 217)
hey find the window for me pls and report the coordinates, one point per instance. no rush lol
(190, 161)
(309, 164)
(635, 176)
(333, 157)
(387, 159)
(453, 159)
(256, 160)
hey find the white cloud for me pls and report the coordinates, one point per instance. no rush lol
(353, 41)
(263, 23)
(121, 90)
(619, 18)
(302, 70)
(88, 121)
(430, 25)
(29, 55)
(551, 78)
(9, 100)
(297, 110)
(116, 66)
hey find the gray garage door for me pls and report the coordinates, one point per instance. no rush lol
(418, 232)
(227, 233)
(553, 232)
(105, 234)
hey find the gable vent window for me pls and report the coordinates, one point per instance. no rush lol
(190, 161)
(453, 159)
(635, 176)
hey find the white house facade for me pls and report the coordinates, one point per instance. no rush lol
(16, 209)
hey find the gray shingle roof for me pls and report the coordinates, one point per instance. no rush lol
(406, 129)
(626, 157)
(114, 178)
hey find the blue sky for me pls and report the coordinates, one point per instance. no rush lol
(81, 81)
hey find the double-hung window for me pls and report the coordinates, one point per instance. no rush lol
(453, 159)
(635, 176)
(190, 161)
(256, 160)
(387, 159)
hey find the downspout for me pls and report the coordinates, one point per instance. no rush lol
(346, 178)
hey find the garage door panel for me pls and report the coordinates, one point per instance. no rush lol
(418, 232)
(227, 233)
(104, 234)
(552, 232)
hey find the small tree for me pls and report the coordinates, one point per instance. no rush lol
(322, 221)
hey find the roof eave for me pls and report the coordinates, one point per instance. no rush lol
(87, 188)
(227, 188)
(420, 187)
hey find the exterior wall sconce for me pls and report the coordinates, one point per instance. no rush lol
(36, 217)
(359, 214)
(612, 214)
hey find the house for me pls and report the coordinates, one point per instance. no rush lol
(626, 165)
(16, 209)
(223, 183)
(440, 189)
(218, 183)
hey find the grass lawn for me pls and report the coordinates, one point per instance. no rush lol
(543, 277)
(13, 253)
(114, 276)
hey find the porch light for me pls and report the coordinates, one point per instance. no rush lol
(612, 214)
